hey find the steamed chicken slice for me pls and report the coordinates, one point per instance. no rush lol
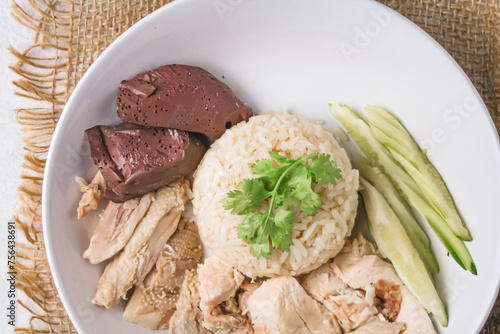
(365, 294)
(247, 290)
(218, 282)
(367, 272)
(218, 285)
(153, 302)
(188, 316)
(323, 283)
(129, 268)
(352, 308)
(115, 228)
(143, 249)
(150, 253)
(92, 194)
(207, 304)
(413, 315)
(280, 305)
(378, 326)
(225, 318)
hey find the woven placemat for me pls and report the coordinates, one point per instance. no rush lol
(70, 35)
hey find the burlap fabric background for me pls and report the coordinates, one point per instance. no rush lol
(70, 35)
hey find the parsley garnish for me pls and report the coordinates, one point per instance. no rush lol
(287, 184)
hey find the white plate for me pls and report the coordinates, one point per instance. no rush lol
(302, 55)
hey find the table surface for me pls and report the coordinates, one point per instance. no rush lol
(11, 153)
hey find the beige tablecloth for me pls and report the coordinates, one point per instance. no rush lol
(70, 35)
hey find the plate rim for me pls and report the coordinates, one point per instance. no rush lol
(165, 10)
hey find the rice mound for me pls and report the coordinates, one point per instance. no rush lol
(316, 238)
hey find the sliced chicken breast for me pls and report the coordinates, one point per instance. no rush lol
(247, 290)
(212, 307)
(322, 283)
(116, 226)
(281, 305)
(92, 194)
(224, 318)
(413, 315)
(218, 282)
(378, 326)
(140, 254)
(365, 294)
(153, 302)
(366, 271)
(188, 316)
(351, 307)
(151, 251)
(248, 329)
(218, 285)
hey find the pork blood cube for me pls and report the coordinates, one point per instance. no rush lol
(180, 97)
(135, 160)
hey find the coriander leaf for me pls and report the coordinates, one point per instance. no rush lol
(269, 174)
(248, 199)
(263, 167)
(255, 231)
(259, 249)
(287, 185)
(299, 177)
(283, 199)
(285, 219)
(290, 202)
(281, 228)
(301, 180)
(280, 160)
(323, 170)
(281, 240)
(248, 228)
(309, 200)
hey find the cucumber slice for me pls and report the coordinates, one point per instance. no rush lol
(390, 132)
(453, 244)
(376, 152)
(395, 244)
(417, 236)
(381, 158)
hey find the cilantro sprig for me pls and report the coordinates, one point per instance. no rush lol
(287, 183)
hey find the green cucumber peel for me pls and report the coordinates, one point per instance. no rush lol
(389, 131)
(452, 243)
(381, 157)
(417, 236)
(376, 152)
(394, 243)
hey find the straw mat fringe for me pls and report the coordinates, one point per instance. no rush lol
(70, 35)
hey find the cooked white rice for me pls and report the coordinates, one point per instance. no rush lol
(315, 239)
